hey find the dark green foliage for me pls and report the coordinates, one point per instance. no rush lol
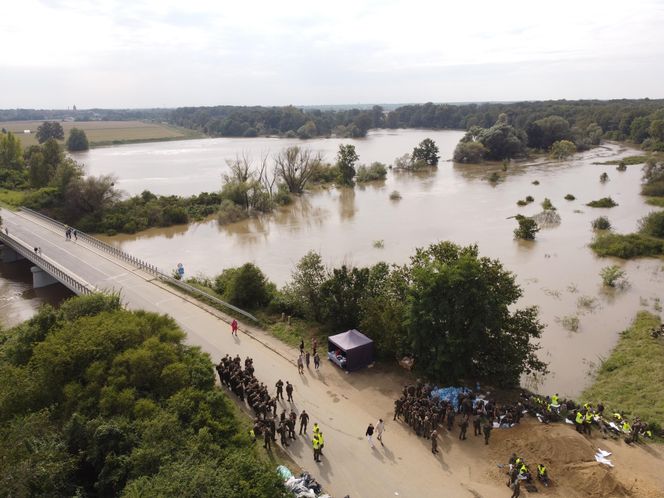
(427, 152)
(77, 140)
(601, 223)
(653, 224)
(346, 159)
(521, 202)
(530, 198)
(99, 401)
(48, 130)
(569, 197)
(500, 141)
(425, 308)
(544, 132)
(527, 228)
(245, 286)
(460, 324)
(469, 152)
(548, 205)
(604, 202)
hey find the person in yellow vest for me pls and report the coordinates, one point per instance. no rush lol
(316, 445)
(555, 399)
(578, 421)
(321, 441)
(543, 474)
(316, 428)
(626, 427)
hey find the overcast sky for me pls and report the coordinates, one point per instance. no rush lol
(168, 53)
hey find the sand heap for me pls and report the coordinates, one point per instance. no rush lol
(568, 456)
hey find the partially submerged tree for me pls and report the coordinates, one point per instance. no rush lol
(295, 166)
(426, 152)
(346, 159)
(527, 228)
(77, 140)
(562, 149)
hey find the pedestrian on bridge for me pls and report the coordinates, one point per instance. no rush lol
(75, 234)
(234, 327)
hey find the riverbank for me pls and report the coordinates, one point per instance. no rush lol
(631, 379)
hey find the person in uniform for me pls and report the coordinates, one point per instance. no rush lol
(434, 442)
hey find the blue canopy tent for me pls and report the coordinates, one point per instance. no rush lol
(351, 350)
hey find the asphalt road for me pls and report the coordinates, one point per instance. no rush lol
(342, 404)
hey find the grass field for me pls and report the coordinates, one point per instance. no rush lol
(631, 379)
(105, 132)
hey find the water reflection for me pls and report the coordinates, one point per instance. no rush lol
(346, 203)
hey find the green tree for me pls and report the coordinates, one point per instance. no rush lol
(460, 321)
(427, 152)
(562, 149)
(306, 284)
(39, 171)
(50, 129)
(656, 130)
(77, 140)
(527, 228)
(11, 153)
(469, 152)
(638, 131)
(546, 131)
(346, 159)
(246, 286)
(653, 224)
(342, 293)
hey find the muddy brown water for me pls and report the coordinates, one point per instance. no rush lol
(558, 272)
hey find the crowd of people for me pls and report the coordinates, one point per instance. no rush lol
(426, 413)
(238, 376)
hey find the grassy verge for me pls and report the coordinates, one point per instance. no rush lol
(632, 245)
(631, 379)
(11, 198)
(655, 201)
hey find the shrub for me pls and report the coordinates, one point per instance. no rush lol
(547, 205)
(570, 322)
(395, 195)
(245, 286)
(521, 202)
(379, 244)
(229, 212)
(612, 276)
(469, 152)
(627, 246)
(535, 182)
(527, 228)
(377, 171)
(562, 149)
(325, 173)
(529, 198)
(601, 223)
(570, 197)
(494, 177)
(604, 202)
(622, 166)
(652, 224)
(603, 178)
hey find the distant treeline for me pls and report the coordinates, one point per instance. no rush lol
(618, 119)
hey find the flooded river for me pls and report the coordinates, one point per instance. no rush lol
(558, 272)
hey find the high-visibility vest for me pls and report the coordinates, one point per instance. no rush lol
(518, 462)
(579, 417)
(320, 438)
(554, 399)
(523, 469)
(541, 470)
(617, 416)
(589, 417)
(316, 428)
(315, 443)
(626, 427)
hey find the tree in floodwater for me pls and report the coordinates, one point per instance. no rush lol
(527, 228)
(460, 319)
(77, 140)
(295, 166)
(562, 149)
(346, 159)
(426, 152)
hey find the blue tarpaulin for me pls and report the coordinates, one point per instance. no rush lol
(450, 394)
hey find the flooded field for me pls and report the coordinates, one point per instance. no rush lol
(557, 272)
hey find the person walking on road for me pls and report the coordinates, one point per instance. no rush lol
(316, 361)
(234, 327)
(307, 359)
(316, 444)
(280, 389)
(488, 426)
(304, 420)
(369, 434)
(301, 346)
(380, 428)
(434, 442)
(267, 439)
(289, 392)
(300, 364)
(75, 233)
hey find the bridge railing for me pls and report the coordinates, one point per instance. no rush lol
(152, 269)
(62, 276)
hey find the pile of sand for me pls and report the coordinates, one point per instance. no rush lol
(568, 456)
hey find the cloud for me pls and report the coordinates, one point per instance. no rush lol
(164, 52)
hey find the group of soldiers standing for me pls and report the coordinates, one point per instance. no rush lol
(426, 414)
(242, 382)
